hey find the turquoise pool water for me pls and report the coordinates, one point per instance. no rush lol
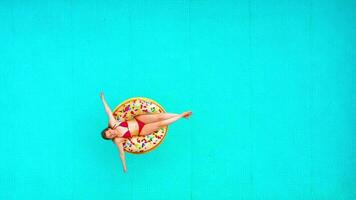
(271, 85)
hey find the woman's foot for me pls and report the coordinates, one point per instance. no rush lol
(187, 114)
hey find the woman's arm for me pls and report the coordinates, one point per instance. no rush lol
(112, 119)
(118, 143)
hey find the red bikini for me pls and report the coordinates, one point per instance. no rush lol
(127, 133)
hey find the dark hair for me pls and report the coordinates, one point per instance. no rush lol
(103, 134)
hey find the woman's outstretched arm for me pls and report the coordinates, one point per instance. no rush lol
(112, 119)
(122, 153)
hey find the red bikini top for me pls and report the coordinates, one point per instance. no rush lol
(127, 133)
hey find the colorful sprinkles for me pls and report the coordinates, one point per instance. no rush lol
(137, 106)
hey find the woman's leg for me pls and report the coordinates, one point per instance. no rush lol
(150, 118)
(152, 127)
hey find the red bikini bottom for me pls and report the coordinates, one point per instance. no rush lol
(140, 125)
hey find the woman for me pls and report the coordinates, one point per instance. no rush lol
(138, 126)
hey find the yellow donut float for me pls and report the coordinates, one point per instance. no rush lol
(138, 106)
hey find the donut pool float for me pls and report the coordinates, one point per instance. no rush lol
(138, 106)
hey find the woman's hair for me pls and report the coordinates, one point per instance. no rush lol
(103, 134)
